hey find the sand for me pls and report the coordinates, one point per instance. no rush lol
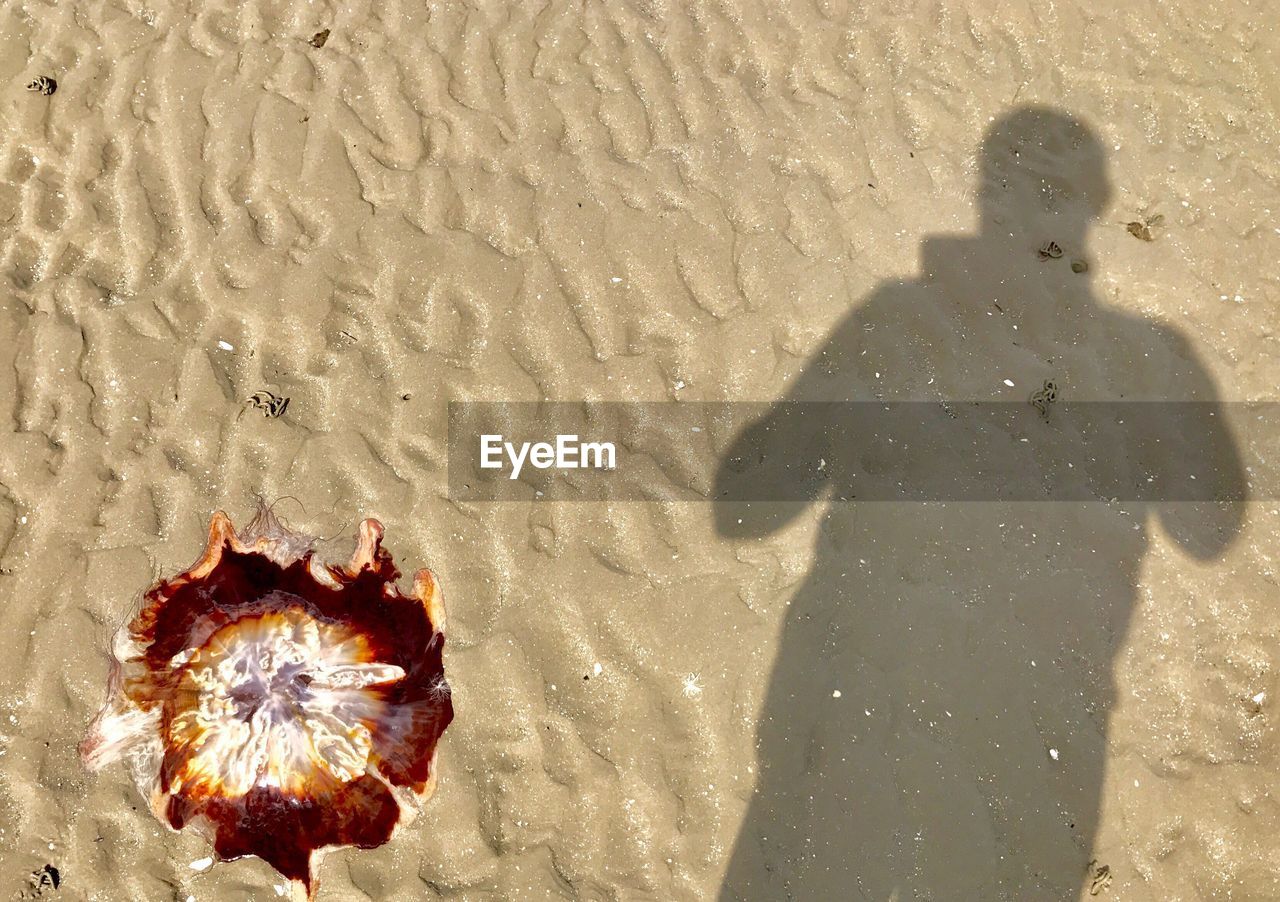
(650, 201)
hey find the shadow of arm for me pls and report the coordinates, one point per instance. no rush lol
(771, 473)
(1209, 469)
(1205, 526)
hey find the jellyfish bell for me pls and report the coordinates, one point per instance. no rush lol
(277, 704)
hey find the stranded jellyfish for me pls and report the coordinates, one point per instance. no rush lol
(280, 705)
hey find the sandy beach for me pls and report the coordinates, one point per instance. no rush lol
(373, 210)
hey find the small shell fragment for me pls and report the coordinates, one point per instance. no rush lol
(43, 84)
(270, 404)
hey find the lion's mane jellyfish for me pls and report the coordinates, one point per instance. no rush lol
(280, 705)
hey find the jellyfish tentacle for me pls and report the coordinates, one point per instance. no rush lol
(426, 588)
(368, 543)
(354, 676)
(222, 534)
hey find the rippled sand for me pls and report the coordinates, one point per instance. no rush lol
(618, 201)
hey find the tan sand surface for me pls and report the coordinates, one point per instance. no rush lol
(660, 201)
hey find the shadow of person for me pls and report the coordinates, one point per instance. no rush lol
(935, 723)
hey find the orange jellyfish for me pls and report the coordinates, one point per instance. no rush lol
(277, 704)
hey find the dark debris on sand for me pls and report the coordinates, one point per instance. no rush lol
(1051, 251)
(43, 84)
(42, 882)
(270, 404)
(1143, 228)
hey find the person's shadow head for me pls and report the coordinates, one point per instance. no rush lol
(1043, 171)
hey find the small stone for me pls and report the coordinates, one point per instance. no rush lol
(318, 39)
(1079, 266)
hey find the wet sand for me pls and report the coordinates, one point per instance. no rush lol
(618, 202)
